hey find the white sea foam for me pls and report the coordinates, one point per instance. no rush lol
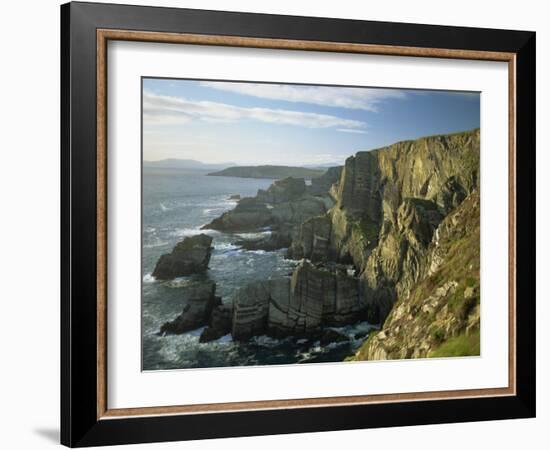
(157, 243)
(265, 341)
(178, 282)
(184, 232)
(213, 211)
(163, 207)
(256, 235)
(225, 246)
(224, 339)
(148, 278)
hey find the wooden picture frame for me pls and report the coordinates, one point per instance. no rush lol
(86, 418)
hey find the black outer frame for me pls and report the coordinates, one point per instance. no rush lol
(79, 424)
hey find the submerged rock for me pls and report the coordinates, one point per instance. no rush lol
(189, 256)
(196, 312)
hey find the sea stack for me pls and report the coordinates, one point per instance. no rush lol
(188, 257)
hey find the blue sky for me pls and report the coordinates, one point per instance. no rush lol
(260, 123)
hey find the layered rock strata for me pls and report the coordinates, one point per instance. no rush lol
(300, 305)
(388, 204)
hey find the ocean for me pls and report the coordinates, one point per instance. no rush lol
(176, 203)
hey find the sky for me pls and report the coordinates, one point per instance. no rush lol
(288, 124)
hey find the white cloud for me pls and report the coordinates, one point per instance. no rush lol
(367, 99)
(350, 130)
(162, 109)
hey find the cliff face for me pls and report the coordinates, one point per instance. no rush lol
(392, 237)
(388, 204)
(441, 314)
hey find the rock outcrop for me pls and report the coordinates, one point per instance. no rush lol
(250, 310)
(189, 256)
(219, 324)
(301, 305)
(281, 208)
(197, 311)
(323, 184)
(389, 202)
(440, 315)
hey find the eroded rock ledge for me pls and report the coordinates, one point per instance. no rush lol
(301, 305)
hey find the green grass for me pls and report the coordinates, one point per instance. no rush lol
(461, 345)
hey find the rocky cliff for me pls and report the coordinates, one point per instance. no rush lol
(388, 204)
(391, 237)
(440, 316)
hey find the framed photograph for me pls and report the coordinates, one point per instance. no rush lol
(276, 224)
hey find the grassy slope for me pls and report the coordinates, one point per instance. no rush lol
(440, 317)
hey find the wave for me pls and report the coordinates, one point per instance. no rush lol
(213, 211)
(268, 341)
(257, 252)
(225, 246)
(157, 243)
(178, 282)
(184, 232)
(148, 278)
(163, 207)
(256, 235)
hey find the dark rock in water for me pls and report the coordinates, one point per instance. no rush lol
(300, 305)
(235, 197)
(250, 308)
(330, 335)
(248, 215)
(196, 313)
(220, 324)
(189, 256)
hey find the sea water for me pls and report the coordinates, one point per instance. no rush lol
(176, 203)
